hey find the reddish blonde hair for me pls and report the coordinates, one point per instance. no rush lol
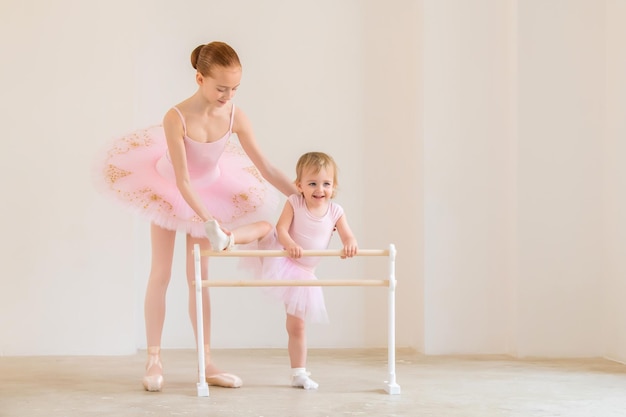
(215, 54)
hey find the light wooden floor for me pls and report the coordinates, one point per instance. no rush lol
(351, 384)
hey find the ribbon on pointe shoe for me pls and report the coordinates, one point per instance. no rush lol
(153, 383)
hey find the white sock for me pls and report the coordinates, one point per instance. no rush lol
(300, 379)
(219, 240)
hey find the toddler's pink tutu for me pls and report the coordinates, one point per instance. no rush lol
(133, 170)
(306, 303)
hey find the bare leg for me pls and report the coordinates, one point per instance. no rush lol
(214, 375)
(206, 301)
(297, 341)
(221, 239)
(297, 348)
(154, 305)
(251, 232)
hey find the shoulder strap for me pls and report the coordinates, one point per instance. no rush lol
(182, 119)
(232, 118)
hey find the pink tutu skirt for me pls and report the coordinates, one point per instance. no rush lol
(129, 170)
(306, 303)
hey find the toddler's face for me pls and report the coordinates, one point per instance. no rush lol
(317, 187)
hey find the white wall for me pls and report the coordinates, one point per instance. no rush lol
(484, 138)
(66, 284)
(392, 162)
(517, 224)
(615, 182)
(561, 76)
(467, 211)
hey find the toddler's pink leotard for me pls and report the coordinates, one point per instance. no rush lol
(136, 170)
(310, 232)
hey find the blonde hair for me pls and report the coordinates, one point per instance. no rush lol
(316, 161)
(215, 54)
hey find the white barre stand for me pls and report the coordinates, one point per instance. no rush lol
(391, 386)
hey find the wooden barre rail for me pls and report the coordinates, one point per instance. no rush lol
(278, 253)
(391, 386)
(298, 283)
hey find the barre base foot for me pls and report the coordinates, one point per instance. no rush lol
(203, 389)
(392, 388)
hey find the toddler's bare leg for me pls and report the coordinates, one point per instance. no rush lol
(297, 348)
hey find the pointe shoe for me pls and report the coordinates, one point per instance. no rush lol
(154, 382)
(225, 380)
(219, 240)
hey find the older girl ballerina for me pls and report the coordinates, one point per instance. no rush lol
(307, 221)
(187, 175)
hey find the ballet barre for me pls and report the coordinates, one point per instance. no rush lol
(391, 386)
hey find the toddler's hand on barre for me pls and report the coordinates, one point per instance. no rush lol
(349, 250)
(294, 251)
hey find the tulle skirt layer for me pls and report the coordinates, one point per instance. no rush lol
(304, 302)
(130, 170)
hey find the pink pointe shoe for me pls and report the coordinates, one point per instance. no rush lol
(225, 380)
(153, 379)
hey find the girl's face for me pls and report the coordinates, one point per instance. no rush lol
(221, 87)
(317, 188)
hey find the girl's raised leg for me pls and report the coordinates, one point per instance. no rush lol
(251, 232)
